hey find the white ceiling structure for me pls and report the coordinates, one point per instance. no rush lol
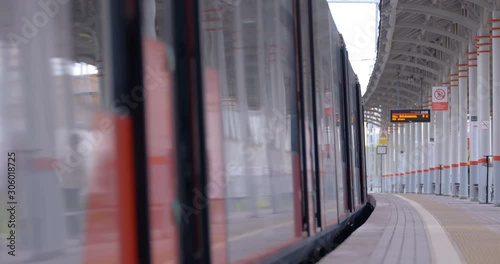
(420, 41)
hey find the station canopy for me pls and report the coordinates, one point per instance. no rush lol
(419, 43)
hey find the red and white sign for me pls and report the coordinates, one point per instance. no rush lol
(485, 124)
(439, 98)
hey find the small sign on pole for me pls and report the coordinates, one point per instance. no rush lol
(382, 150)
(485, 124)
(383, 140)
(440, 98)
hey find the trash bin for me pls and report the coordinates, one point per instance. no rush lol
(456, 189)
(476, 192)
(420, 188)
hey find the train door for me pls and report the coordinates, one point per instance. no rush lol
(326, 73)
(345, 130)
(250, 81)
(361, 145)
(316, 112)
(308, 150)
(356, 139)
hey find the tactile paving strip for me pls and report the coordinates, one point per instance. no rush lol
(476, 243)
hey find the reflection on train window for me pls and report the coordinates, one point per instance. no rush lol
(248, 56)
(327, 76)
(160, 139)
(275, 157)
(52, 116)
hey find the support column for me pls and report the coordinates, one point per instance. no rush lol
(406, 137)
(414, 159)
(473, 131)
(385, 162)
(419, 147)
(374, 164)
(390, 162)
(396, 160)
(393, 159)
(440, 152)
(408, 158)
(432, 161)
(411, 159)
(401, 155)
(483, 103)
(399, 160)
(426, 155)
(446, 158)
(462, 126)
(496, 103)
(454, 126)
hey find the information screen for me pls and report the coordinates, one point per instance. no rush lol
(411, 116)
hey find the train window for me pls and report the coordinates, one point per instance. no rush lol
(59, 134)
(249, 76)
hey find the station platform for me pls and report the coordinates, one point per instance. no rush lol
(412, 228)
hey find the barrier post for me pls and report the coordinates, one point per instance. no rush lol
(440, 179)
(487, 175)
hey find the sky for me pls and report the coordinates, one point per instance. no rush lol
(358, 24)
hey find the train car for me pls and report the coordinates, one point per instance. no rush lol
(195, 131)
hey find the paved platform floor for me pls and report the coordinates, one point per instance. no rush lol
(418, 229)
(474, 228)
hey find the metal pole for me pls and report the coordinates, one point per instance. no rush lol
(487, 176)
(440, 179)
(381, 171)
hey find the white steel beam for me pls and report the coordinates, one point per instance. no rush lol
(439, 13)
(435, 30)
(426, 43)
(414, 65)
(419, 56)
(402, 76)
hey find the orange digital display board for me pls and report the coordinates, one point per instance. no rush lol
(411, 116)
